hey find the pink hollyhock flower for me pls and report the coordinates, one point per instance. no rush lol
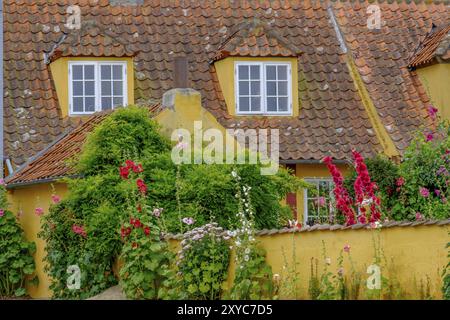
(400, 182)
(437, 192)
(347, 248)
(321, 202)
(432, 111)
(138, 168)
(55, 199)
(39, 211)
(362, 219)
(188, 221)
(157, 212)
(2, 212)
(424, 192)
(79, 230)
(429, 137)
(418, 216)
(2, 182)
(341, 271)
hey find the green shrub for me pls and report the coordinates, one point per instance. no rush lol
(425, 171)
(16, 253)
(203, 262)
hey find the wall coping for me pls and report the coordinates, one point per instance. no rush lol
(337, 227)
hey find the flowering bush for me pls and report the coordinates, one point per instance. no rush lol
(16, 254)
(424, 177)
(203, 261)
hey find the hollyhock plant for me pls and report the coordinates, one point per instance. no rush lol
(343, 200)
(56, 199)
(39, 211)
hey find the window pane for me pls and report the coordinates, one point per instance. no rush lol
(89, 88)
(243, 88)
(77, 104)
(89, 72)
(106, 103)
(282, 88)
(106, 72)
(283, 104)
(243, 72)
(272, 104)
(89, 104)
(118, 101)
(243, 104)
(106, 88)
(77, 88)
(77, 72)
(282, 72)
(271, 72)
(256, 88)
(117, 88)
(271, 88)
(117, 72)
(254, 72)
(256, 104)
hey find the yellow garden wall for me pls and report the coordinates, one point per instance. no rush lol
(24, 201)
(412, 255)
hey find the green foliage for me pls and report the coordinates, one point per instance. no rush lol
(16, 254)
(146, 269)
(254, 280)
(203, 262)
(314, 283)
(288, 286)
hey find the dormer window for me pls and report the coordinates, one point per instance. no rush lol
(96, 86)
(263, 88)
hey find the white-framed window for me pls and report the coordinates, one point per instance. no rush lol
(96, 86)
(319, 203)
(263, 88)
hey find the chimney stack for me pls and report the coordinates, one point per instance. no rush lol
(180, 72)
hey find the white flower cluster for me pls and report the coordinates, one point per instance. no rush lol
(245, 234)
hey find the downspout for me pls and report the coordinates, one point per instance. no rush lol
(1, 90)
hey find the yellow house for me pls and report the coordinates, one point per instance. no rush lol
(323, 82)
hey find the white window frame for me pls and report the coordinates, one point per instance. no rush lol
(262, 71)
(305, 195)
(97, 65)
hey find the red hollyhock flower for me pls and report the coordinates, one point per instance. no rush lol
(130, 164)
(124, 172)
(147, 231)
(135, 245)
(139, 208)
(137, 223)
(141, 185)
(138, 168)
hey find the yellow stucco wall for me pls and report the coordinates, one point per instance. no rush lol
(225, 74)
(24, 201)
(436, 80)
(60, 73)
(413, 255)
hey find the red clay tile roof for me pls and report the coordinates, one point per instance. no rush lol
(332, 118)
(256, 39)
(436, 44)
(53, 162)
